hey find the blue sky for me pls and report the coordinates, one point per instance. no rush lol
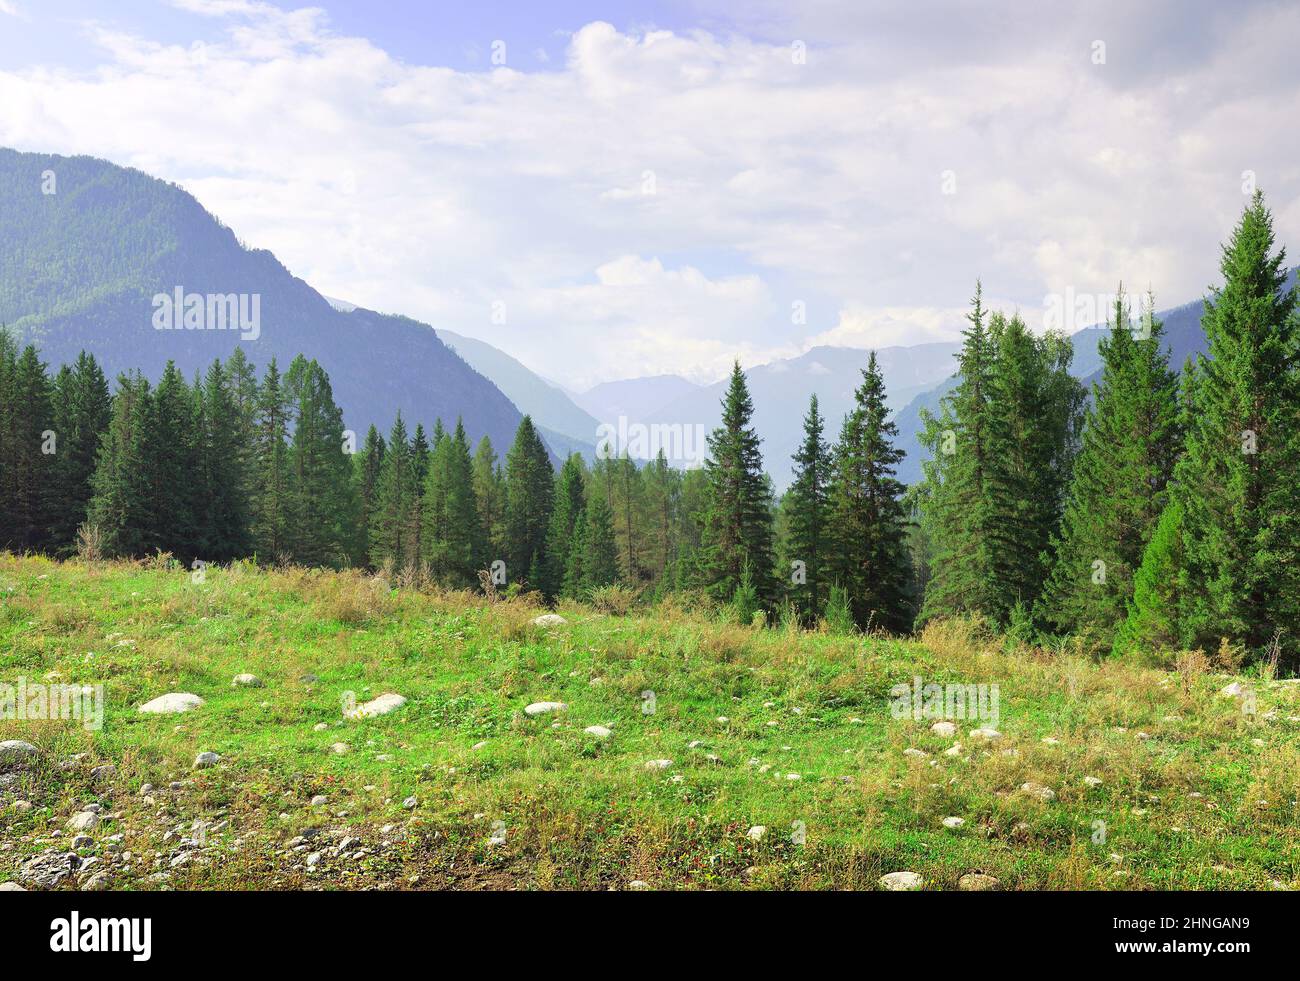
(662, 187)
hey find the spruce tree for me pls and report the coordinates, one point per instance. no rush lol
(29, 461)
(82, 405)
(594, 563)
(1237, 481)
(530, 493)
(1131, 440)
(118, 507)
(955, 502)
(807, 516)
(570, 502)
(366, 466)
(390, 525)
(320, 488)
(454, 544)
(273, 518)
(738, 528)
(490, 495)
(869, 556)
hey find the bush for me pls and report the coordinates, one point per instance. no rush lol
(615, 600)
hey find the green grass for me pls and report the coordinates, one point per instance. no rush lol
(581, 813)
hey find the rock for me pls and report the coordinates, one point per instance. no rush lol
(320, 727)
(549, 620)
(916, 753)
(313, 860)
(658, 764)
(21, 806)
(96, 883)
(600, 732)
(478, 746)
(320, 800)
(15, 753)
(793, 776)
(901, 881)
(388, 702)
(986, 734)
(339, 749)
(84, 821)
(1233, 690)
(1037, 790)
(544, 708)
(756, 832)
(246, 681)
(171, 703)
(103, 772)
(410, 803)
(953, 750)
(977, 882)
(205, 760)
(636, 885)
(49, 869)
(953, 822)
(945, 729)
(82, 841)
(309, 679)
(1050, 741)
(1092, 781)
(11, 887)
(723, 720)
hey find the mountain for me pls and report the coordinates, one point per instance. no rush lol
(1183, 335)
(80, 269)
(637, 399)
(549, 406)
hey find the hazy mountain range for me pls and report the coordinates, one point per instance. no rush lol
(80, 269)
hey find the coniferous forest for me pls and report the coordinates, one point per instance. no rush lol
(1160, 511)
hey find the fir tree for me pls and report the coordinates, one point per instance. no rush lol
(570, 502)
(390, 524)
(82, 405)
(273, 518)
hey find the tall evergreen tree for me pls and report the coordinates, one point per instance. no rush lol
(530, 493)
(570, 502)
(118, 507)
(390, 525)
(366, 466)
(738, 528)
(869, 556)
(30, 452)
(807, 510)
(454, 543)
(273, 518)
(955, 504)
(320, 488)
(1236, 483)
(82, 405)
(490, 494)
(1131, 440)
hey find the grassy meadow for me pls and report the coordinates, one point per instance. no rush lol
(1158, 779)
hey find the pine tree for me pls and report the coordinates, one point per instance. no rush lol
(738, 528)
(1236, 483)
(530, 493)
(807, 511)
(868, 523)
(1131, 439)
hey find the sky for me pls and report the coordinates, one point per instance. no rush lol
(612, 190)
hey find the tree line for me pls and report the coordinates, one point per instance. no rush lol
(1160, 513)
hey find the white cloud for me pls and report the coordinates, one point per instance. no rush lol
(658, 201)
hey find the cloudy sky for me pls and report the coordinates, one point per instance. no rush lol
(644, 187)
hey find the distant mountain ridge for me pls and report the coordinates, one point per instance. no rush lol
(79, 269)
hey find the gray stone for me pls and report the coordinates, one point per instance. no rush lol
(977, 882)
(16, 753)
(385, 703)
(84, 821)
(544, 708)
(549, 620)
(204, 760)
(901, 881)
(600, 732)
(171, 703)
(246, 681)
